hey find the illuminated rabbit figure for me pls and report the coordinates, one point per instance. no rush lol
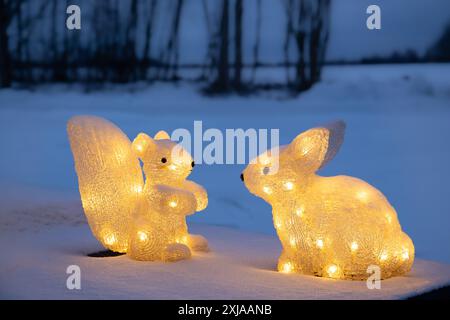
(126, 214)
(328, 226)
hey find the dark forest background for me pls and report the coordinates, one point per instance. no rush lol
(121, 46)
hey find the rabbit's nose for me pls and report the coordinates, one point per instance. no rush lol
(242, 176)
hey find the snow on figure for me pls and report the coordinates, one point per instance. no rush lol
(140, 211)
(332, 227)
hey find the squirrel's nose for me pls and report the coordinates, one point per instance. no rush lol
(242, 176)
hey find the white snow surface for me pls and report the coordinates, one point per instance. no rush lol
(397, 139)
(241, 265)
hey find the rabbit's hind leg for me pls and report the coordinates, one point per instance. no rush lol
(175, 252)
(197, 243)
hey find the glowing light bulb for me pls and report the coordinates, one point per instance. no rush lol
(293, 242)
(405, 255)
(287, 267)
(142, 235)
(278, 223)
(267, 189)
(288, 185)
(319, 243)
(354, 246)
(110, 239)
(139, 147)
(332, 269)
(388, 218)
(383, 256)
(173, 204)
(183, 240)
(362, 195)
(299, 212)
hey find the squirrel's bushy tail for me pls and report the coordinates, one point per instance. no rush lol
(109, 177)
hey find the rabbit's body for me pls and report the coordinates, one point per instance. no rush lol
(328, 226)
(342, 215)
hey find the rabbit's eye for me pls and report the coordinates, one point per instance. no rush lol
(163, 160)
(266, 170)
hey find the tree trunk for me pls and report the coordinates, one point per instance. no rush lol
(5, 57)
(146, 58)
(222, 81)
(257, 40)
(238, 44)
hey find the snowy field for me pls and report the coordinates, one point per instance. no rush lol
(398, 126)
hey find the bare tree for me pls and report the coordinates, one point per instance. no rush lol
(146, 58)
(221, 82)
(7, 10)
(170, 55)
(307, 25)
(238, 44)
(257, 39)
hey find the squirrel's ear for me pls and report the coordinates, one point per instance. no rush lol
(317, 146)
(142, 143)
(162, 135)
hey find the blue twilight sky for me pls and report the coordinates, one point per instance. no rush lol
(405, 24)
(414, 24)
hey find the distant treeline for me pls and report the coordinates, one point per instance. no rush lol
(438, 52)
(139, 40)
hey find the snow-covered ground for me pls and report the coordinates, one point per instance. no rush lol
(240, 266)
(398, 125)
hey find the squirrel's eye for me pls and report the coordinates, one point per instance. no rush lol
(192, 164)
(163, 160)
(266, 170)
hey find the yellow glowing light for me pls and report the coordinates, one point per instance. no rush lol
(125, 213)
(278, 223)
(183, 240)
(405, 255)
(388, 218)
(292, 242)
(139, 147)
(288, 185)
(173, 204)
(267, 189)
(362, 195)
(110, 239)
(347, 219)
(332, 269)
(319, 243)
(287, 267)
(142, 235)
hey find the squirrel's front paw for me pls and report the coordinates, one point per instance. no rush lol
(175, 252)
(197, 242)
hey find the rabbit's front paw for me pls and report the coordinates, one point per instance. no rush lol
(175, 252)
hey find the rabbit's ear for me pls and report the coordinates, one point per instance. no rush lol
(317, 146)
(142, 143)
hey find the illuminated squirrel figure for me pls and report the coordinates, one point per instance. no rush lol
(146, 219)
(328, 226)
